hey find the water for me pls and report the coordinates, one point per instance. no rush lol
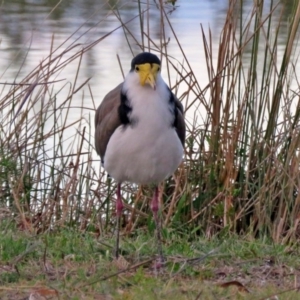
(28, 28)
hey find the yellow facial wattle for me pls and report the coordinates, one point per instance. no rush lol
(148, 73)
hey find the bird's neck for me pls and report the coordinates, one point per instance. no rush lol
(151, 107)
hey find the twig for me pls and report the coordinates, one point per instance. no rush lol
(119, 272)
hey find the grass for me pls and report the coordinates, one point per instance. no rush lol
(71, 265)
(236, 192)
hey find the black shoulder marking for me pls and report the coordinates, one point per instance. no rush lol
(124, 109)
(173, 109)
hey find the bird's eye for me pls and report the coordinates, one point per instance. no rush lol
(137, 69)
(158, 69)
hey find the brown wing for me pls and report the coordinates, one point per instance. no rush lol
(180, 124)
(107, 119)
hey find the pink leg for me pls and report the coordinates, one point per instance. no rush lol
(119, 208)
(155, 210)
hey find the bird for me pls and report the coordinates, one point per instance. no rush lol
(140, 133)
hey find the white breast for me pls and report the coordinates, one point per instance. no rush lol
(149, 150)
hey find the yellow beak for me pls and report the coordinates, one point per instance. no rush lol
(148, 74)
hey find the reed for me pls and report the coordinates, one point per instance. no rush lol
(241, 169)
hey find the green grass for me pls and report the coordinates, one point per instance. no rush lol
(75, 265)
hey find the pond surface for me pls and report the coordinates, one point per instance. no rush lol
(29, 29)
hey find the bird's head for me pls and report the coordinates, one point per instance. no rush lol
(147, 66)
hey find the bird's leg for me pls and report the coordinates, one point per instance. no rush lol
(155, 211)
(119, 208)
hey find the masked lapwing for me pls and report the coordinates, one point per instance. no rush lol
(140, 132)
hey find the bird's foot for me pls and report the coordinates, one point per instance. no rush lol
(159, 263)
(121, 263)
